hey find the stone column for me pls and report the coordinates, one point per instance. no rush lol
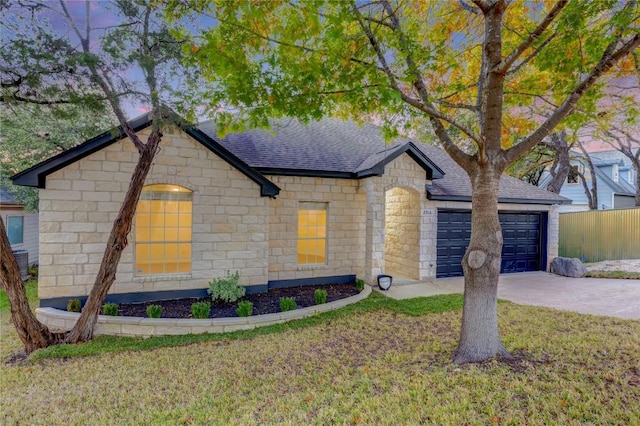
(553, 234)
(374, 246)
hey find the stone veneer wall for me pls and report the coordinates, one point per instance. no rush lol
(80, 202)
(346, 209)
(405, 173)
(402, 225)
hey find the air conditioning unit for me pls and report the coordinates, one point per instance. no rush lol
(22, 257)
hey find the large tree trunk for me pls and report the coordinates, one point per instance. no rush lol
(33, 334)
(83, 329)
(479, 338)
(591, 193)
(561, 163)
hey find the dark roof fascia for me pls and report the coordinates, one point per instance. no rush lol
(11, 204)
(267, 188)
(503, 200)
(36, 176)
(306, 173)
(436, 172)
(433, 171)
(625, 194)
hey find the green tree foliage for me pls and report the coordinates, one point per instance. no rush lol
(97, 56)
(471, 69)
(30, 133)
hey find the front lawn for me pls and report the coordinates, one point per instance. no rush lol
(377, 362)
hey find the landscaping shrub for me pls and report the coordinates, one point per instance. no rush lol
(33, 271)
(74, 305)
(320, 296)
(360, 284)
(201, 310)
(287, 304)
(110, 309)
(245, 309)
(154, 311)
(226, 289)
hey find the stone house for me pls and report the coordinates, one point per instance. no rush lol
(301, 204)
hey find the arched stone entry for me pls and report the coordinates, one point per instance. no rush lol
(402, 233)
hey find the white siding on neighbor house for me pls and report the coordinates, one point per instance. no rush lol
(30, 240)
(229, 230)
(575, 192)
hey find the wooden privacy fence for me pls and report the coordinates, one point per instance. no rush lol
(598, 235)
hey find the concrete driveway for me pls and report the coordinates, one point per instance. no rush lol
(596, 296)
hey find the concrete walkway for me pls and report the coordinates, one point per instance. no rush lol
(596, 296)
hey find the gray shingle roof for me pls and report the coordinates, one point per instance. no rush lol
(456, 183)
(6, 197)
(346, 147)
(329, 145)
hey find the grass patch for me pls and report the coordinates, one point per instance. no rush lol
(627, 275)
(379, 361)
(375, 302)
(31, 287)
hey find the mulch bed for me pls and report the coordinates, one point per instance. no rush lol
(263, 303)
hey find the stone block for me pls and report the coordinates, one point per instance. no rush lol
(568, 267)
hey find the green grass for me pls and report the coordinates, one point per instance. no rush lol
(104, 344)
(31, 288)
(628, 275)
(377, 362)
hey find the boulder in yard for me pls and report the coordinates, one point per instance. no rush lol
(569, 267)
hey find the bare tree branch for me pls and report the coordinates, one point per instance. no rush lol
(533, 54)
(425, 104)
(608, 59)
(506, 63)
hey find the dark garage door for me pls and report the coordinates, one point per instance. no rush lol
(521, 249)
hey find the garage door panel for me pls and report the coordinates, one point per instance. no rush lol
(521, 241)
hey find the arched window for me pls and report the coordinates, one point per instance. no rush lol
(163, 230)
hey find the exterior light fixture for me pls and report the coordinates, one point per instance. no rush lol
(384, 282)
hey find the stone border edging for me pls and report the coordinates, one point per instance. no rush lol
(146, 327)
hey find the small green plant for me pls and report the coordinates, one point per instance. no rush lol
(320, 296)
(154, 311)
(201, 310)
(33, 271)
(287, 304)
(110, 309)
(226, 289)
(360, 284)
(245, 309)
(74, 305)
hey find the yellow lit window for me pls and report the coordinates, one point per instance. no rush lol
(312, 233)
(163, 230)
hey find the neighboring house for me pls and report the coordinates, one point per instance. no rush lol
(615, 181)
(313, 204)
(22, 229)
